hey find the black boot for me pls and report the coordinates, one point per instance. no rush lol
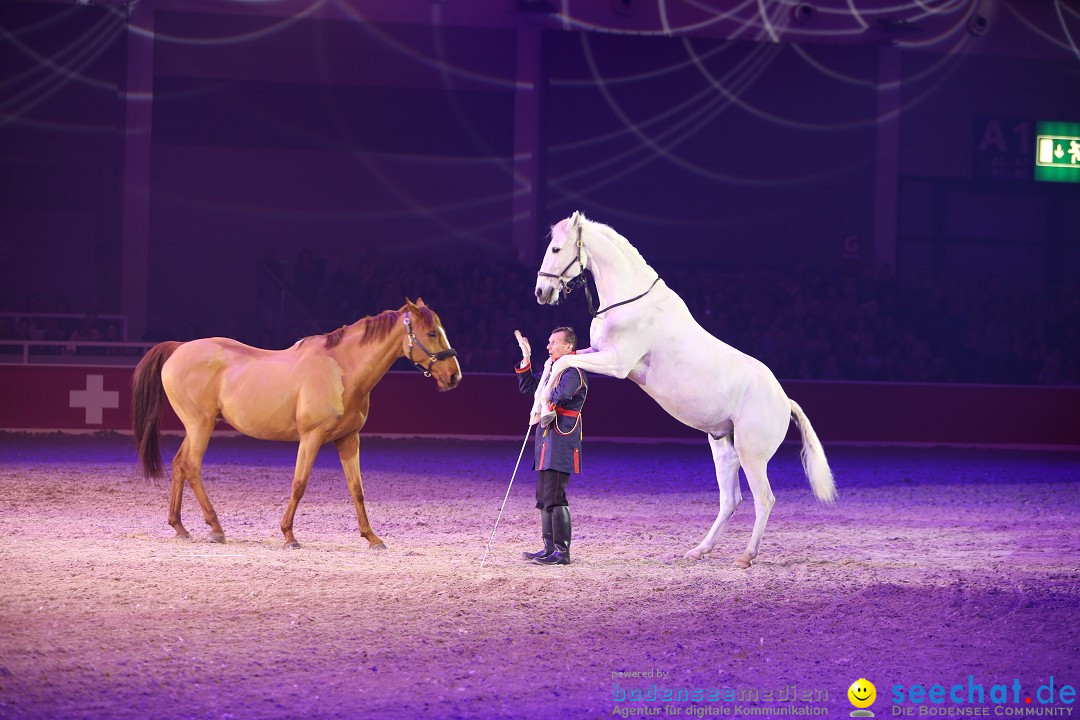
(549, 545)
(560, 531)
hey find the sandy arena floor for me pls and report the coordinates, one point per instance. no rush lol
(934, 565)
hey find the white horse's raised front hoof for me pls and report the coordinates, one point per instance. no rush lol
(744, 561)
(695, 554)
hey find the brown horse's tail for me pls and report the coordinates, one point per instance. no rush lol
(147, 404)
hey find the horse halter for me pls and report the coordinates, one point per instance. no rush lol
(432, 357)
(579, 279)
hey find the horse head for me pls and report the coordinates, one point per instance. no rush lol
(426, 346)
(564, 260)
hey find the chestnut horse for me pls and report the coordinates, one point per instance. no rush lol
(315, 392)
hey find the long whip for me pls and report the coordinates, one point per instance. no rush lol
(512, 476)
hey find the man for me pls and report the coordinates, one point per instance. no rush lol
(558, 442)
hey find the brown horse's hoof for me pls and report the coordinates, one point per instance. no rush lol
(217, 537)
(292, 545)
(377, 546)
(183, 535)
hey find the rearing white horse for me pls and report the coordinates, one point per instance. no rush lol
(644, 331)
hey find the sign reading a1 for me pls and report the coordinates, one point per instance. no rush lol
(1002, 149)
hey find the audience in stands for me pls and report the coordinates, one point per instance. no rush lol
(803, 322)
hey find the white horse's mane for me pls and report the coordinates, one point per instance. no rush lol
(618, 240)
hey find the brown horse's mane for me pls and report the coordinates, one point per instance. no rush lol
(375, 327)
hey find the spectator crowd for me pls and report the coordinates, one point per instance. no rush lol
(803, 322)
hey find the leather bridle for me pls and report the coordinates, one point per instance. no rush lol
(568, 284)
(579, 279)
(432, 357)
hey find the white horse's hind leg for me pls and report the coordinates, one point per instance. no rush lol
(726, 460)
(758, 480)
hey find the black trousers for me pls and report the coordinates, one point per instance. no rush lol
(551, 489)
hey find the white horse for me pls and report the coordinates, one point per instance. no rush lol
(644, 331)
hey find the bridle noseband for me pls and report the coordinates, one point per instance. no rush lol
(432, 357)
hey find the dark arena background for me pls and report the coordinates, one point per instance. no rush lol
(879, 200)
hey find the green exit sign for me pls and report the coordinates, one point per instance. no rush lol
(1057, 152)
(1061, 150)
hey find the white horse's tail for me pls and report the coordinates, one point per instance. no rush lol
(813, 458)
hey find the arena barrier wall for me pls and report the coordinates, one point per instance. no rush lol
(88, 398)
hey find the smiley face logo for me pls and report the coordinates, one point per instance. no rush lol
(862, 693)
